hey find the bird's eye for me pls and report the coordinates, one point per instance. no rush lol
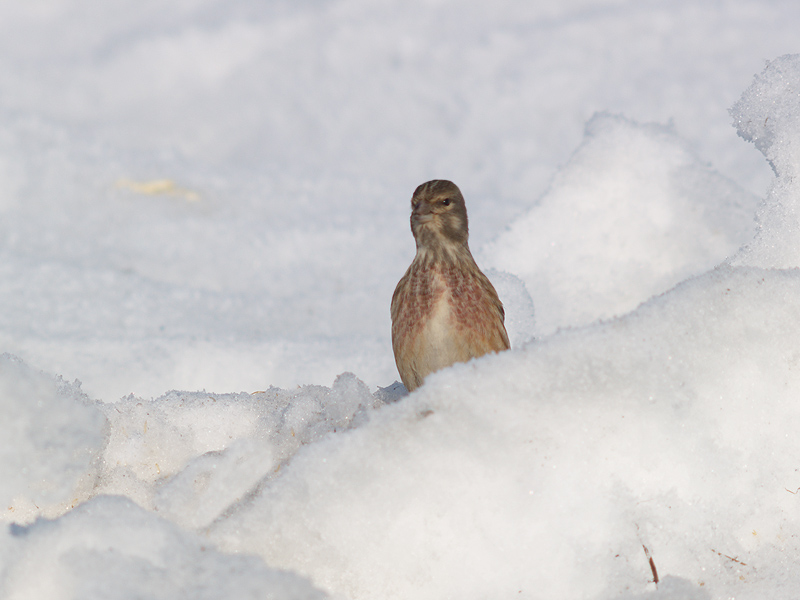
(446, 202)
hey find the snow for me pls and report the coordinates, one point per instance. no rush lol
(630, 215)
(767, 116)
(109, 548)
(52, 440)
(203, 214)
(671, 428)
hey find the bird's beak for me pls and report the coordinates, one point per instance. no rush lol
(421, 213)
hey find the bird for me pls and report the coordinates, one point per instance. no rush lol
(444, 309)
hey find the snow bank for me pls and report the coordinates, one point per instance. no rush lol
(544, 472)
(768, 114)
(109, 549)
(561, 469)
(187, 456)
(293, 135)
(51, 438)
(631, 214)
(192, 455)
(557, 469)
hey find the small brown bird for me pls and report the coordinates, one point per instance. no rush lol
(444, 309)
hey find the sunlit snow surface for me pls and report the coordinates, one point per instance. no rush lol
(214, 196)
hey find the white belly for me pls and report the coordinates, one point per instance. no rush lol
(443, 345)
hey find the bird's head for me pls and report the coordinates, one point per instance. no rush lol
(438, 215)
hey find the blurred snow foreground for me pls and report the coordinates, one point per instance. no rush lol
(651, 455)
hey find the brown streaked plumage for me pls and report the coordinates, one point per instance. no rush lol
(444, 309)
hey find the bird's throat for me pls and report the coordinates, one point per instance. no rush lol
(443, 252)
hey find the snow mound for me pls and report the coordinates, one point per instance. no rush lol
(110, 549)
(633, 213)
(768, 114)
(192, 455)
(546, 471)
(51, 438)
(518, 305)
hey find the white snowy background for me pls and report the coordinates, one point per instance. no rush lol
(214, 195)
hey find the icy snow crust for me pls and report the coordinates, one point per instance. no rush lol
(215, 195)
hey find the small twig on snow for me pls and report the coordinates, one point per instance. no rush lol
(652, 564)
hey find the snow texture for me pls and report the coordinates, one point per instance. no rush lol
(109, 549)
(631, 214)
(204, 211)
(52, 439)
(767, 115)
